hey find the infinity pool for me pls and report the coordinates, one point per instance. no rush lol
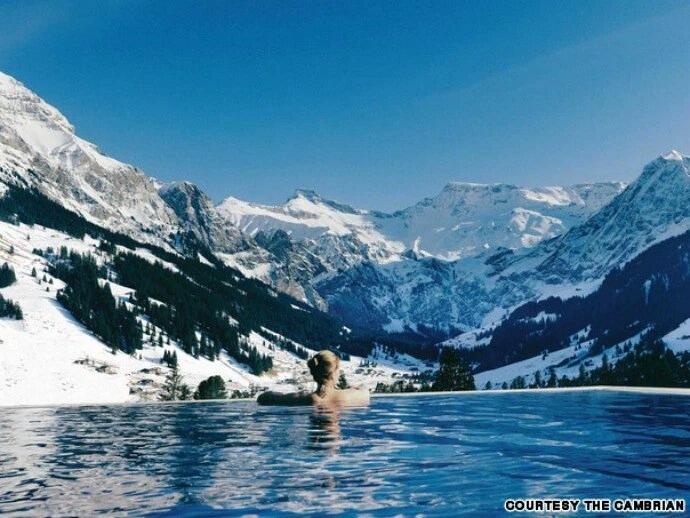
(435, 455)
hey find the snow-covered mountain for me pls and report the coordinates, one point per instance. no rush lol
(375, 270)
(641, 302)
(463, 220)
(652, 208)
(417, 267)
(74, 198)
(466, 219)
(466, 256)
(197, 216)
(629, 262)
(39, 149)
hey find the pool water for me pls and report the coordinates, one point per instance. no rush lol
(436, 455)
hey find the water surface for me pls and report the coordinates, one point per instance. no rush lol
(440, 455)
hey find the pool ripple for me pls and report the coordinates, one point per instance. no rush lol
(437, 455)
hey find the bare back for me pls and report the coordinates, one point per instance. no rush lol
(324, 369)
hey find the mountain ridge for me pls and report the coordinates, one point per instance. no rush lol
(485, 239)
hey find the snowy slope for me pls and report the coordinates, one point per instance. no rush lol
(564, 362)
(38, 353)
(50, 358)
(678, 340)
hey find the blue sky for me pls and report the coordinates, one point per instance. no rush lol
(377, 104)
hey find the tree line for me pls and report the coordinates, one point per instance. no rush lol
(201, 319)
(8, 308)
(649, 364)
(93, 304)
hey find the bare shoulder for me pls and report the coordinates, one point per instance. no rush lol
(352, 396)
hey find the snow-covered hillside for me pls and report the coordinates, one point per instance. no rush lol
(50, 358)
(643, 300)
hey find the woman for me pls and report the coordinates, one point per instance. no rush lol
(324, 369)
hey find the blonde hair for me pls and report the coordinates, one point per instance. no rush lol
(323, 366)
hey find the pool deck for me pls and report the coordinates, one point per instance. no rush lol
(595, 388)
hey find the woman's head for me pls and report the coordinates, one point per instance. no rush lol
(323, 366)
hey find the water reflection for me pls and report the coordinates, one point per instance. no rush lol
(324, 432)
(439, 455)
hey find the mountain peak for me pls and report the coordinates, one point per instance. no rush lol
(669, 167)
(6, 81)
(17, 102)
(181, 186)
(9, 83)
(315, 198)
(472, 186)
(307, 194)
(673, 155)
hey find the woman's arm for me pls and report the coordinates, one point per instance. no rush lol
(293, 398)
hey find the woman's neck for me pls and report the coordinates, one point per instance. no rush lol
(325, 386)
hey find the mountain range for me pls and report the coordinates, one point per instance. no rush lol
(451, 268)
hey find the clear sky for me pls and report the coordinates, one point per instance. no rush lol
(377, 104)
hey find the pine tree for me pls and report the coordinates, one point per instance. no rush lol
(552, 381)
(7, 275)
(11, 309)
(582, 376)
(185, 393)
(453, 373)
(342, 381)
(537, 379)
(518, 383)
(173, 388)
(211, 388)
